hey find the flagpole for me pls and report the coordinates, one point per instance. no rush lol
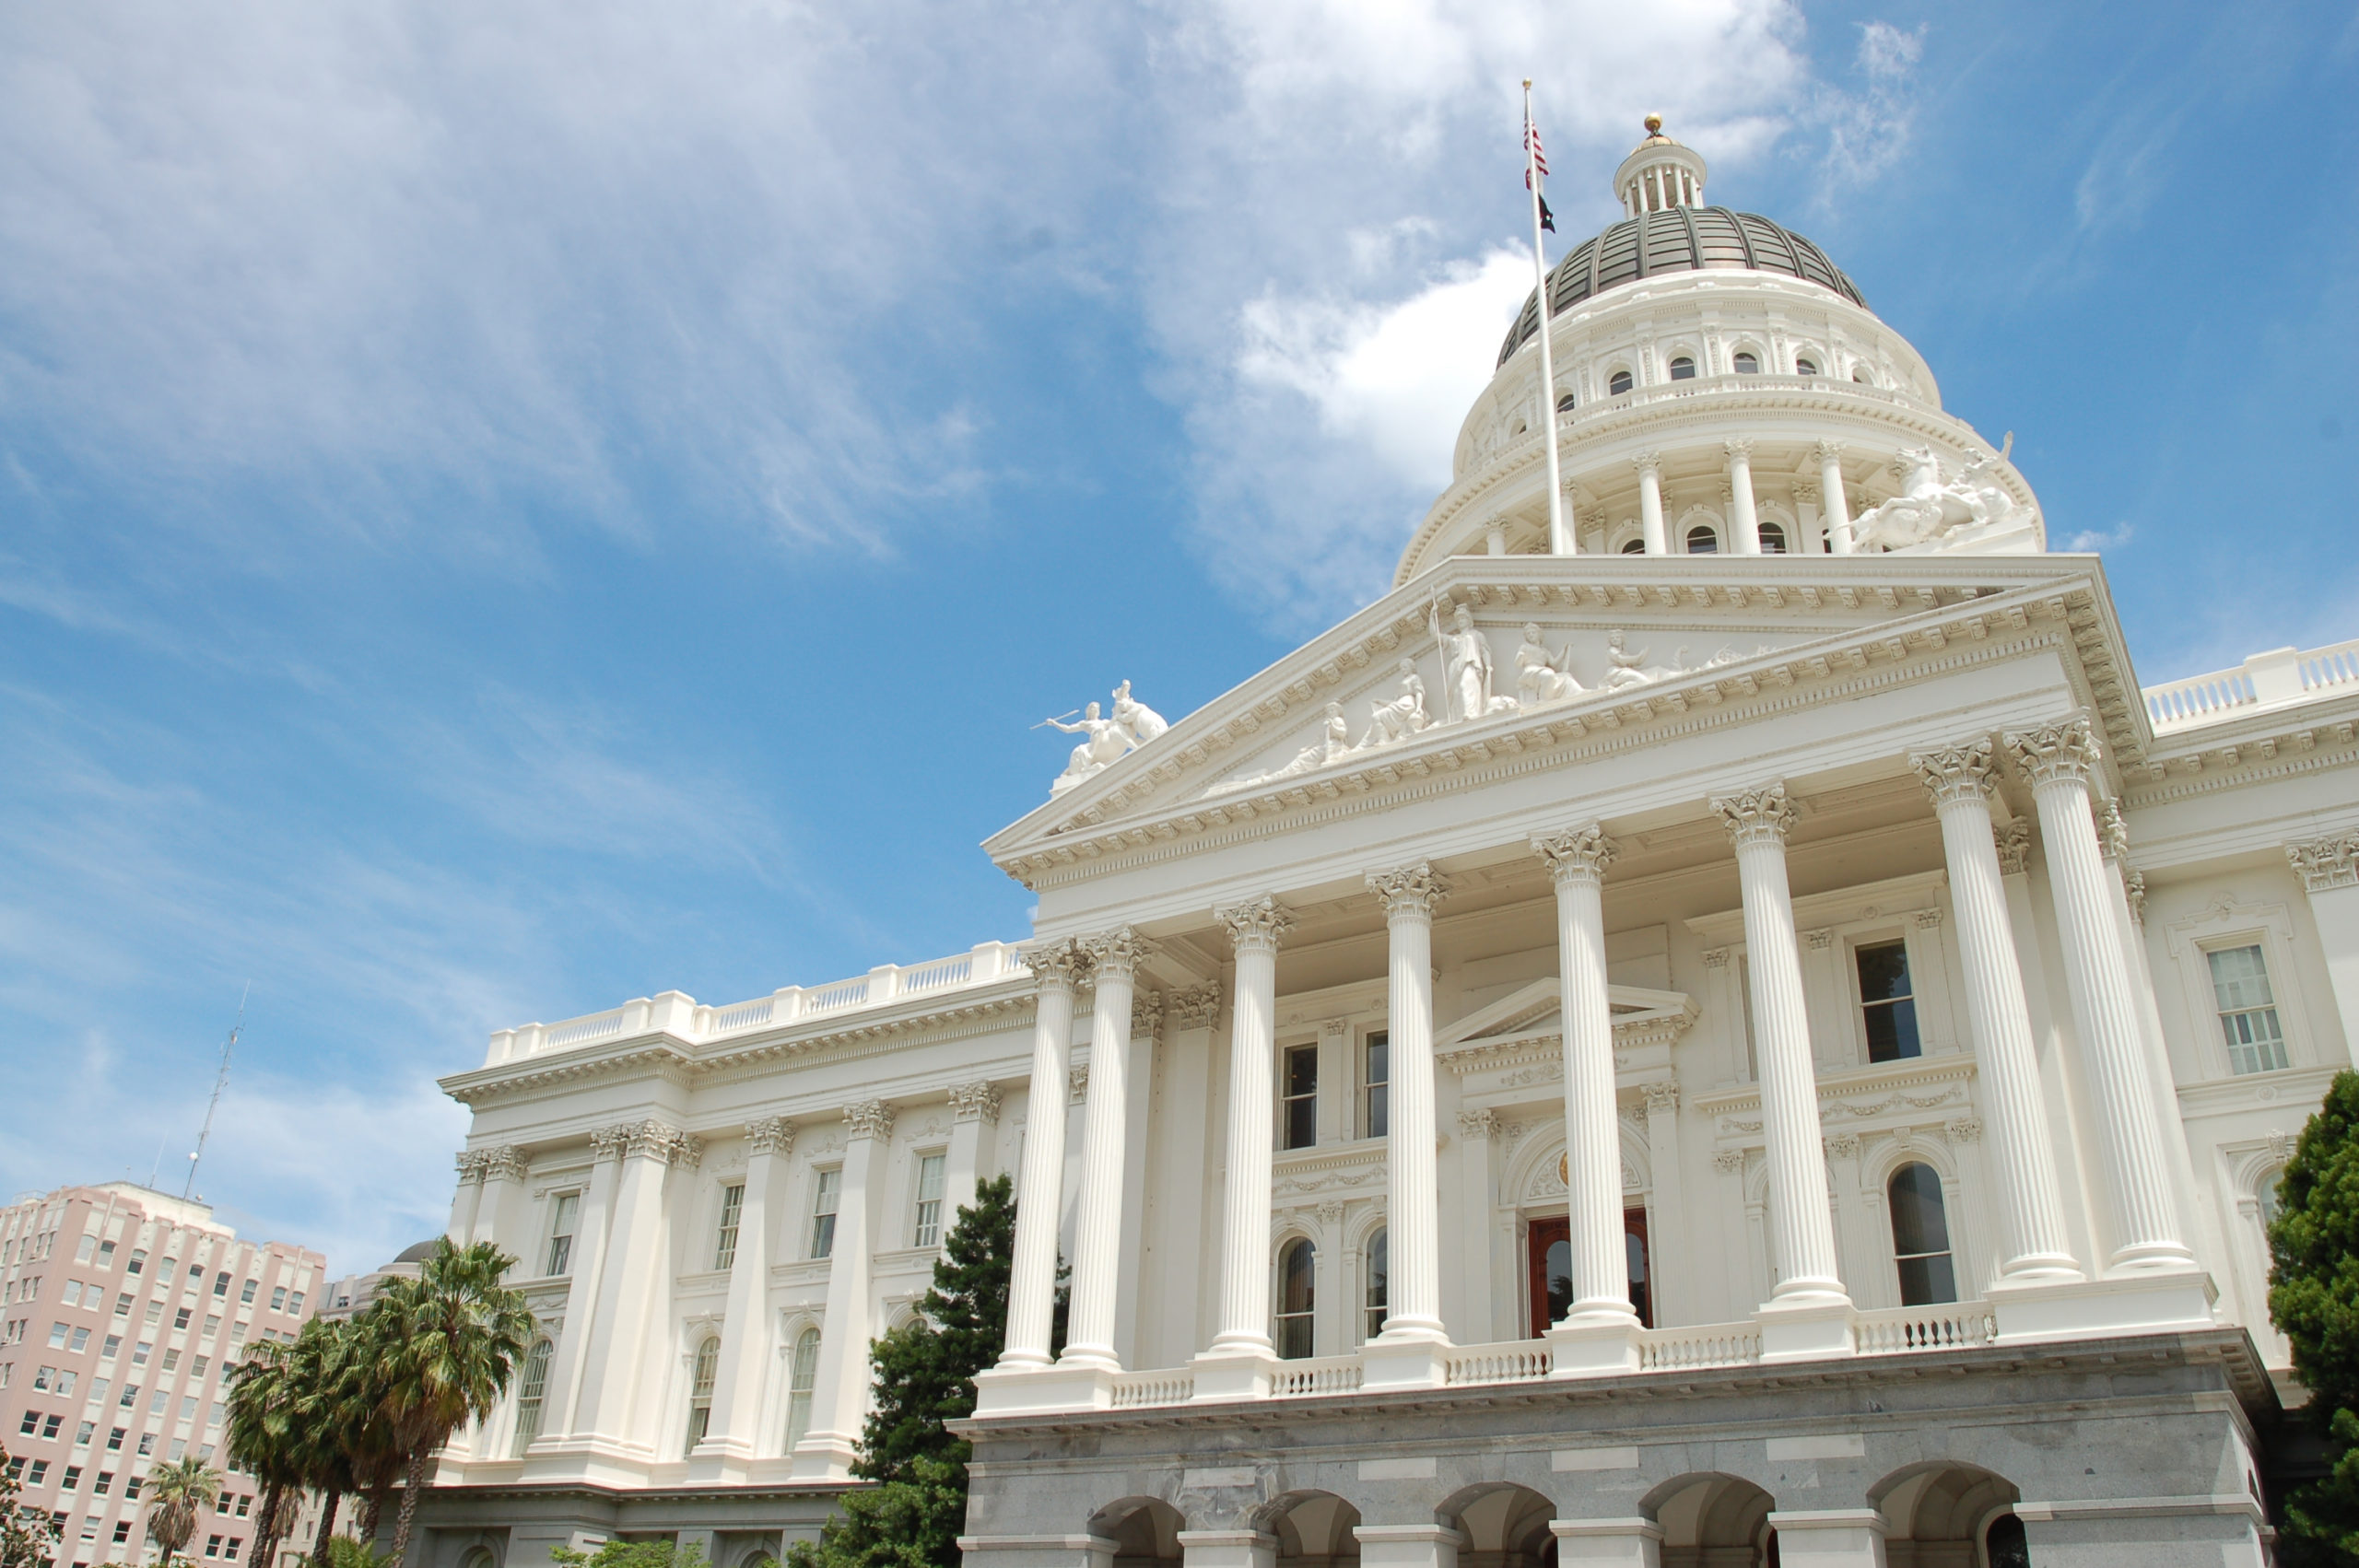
(1560, 538)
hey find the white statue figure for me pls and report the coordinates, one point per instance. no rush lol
(1625, 669)
(1333, 745)
(1138, 720)
(1466, 657)
(1402, 717)
(1107, 742)
(1542, 677)
(1927, 508)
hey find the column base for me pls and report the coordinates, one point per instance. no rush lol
(1402, 1364)
(1620, 1543)
(1593, 1347)
(1226, 1377)
(2161, 1302)
(1038, 1551)
(1830, 1538)
(1228, 1549)
(1408, 1546)
(1808, 1328)
(818, 1458)
(722, 1459)
(1006, 1391)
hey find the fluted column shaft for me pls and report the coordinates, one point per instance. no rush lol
(2032, 1241)
(1801, 1224)
(1650, 468)
(1838, 505)
(2147, 1232)
(1413, 1217)
(1097, 1230)
(1577, 861)
(1745, 523)
(1057, 970)
(745, 1331)
(840, 1394)
(1244, 1322)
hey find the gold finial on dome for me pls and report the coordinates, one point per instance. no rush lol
(1654, 124)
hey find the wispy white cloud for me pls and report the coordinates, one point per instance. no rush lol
(2112, 538)
(1869, 125)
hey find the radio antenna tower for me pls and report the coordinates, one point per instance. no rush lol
(220, 1081)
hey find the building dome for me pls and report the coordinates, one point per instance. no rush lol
(1671, 240)
(419, 1252)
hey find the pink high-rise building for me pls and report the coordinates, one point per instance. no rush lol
(120, 1308)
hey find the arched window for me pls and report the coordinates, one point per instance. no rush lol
(1378, 1247)
(1682, 368)
(2006, 1545)
(531, 1385)
(1702, 541)
(1297, 1265)
(2265, 1198)
(1773, 539)
(1565, 403)
(1920, 1236)
(1805, 366)
(701, 1380)
(1634, 547)
(1859, 374)
(1747, 363)
(1618, 384)
(802, 1377)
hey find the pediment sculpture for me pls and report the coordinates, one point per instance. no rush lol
(1930, 507)
(1105, 741)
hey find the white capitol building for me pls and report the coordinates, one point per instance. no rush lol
(1729, 1032)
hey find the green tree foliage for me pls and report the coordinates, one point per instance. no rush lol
(28, 1535)
(631, 1554)
(925, 1373)
(178, 1493)
(2314, 1298)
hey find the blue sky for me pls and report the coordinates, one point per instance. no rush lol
(506, 508)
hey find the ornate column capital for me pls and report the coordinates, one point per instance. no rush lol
(1076, 1086)
(1062, 964)
(2321, 864)
(1583, 851)
(1828, 451)
(504, 1164)
(1806, 492)
(1409, 890)
(471, 1164)
(2133, 887)
(609, 1142)
(1479, 1126)
(1197, 1007)
(650, 1138)
(1661, 1098)
(1118, 951)
(2014, 846)
(770, 1135)
(1647, 463)
(869, 1119)
(1755, 816)
(977, 1101)
(1146, 1015)
(1739, 448)
(1951, 774)
(1257, 924)
(2053, 752)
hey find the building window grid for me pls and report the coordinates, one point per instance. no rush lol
(2249, 1025)
(1375, 1084)
(564, 1215)
(1887, 1000)
(926, 1230)
(1297, 1299)
(531, 1389)
(724, 1244)
(803, 1377)
(701, 1384)
(1920, 1236)
(1298, 1099)
(1373, 1300)
(827, 1194)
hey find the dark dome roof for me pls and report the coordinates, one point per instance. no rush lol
(420, 1252)
(1678, 240)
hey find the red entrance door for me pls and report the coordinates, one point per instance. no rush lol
(1549, 1255)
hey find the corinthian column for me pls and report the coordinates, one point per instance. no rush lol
(1745, 524)
(1057, 972)
(1237, 1365)
(2147, 1233)
(840, 1395)
(1650, 467)
(2032, 1241)
(1838, 507)
(1413, 1209)
(1801, 1225)
(1097, 1239)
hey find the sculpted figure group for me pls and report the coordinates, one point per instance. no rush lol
(1927, 506)
(1106, 740)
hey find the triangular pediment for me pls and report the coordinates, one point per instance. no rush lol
(1622, 642)
(1536, 1012)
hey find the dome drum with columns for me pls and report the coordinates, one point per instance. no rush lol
(1778, 1056)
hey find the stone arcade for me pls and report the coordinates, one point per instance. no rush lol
(1751, 1035)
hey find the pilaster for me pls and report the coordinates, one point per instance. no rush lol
(2329, 869)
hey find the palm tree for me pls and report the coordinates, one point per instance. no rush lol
(450, 1342)
(316, 1401)
(177, 1493)
(263, 1442)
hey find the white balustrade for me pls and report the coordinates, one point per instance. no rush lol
(1516, 1361)
(1133, 1389)
(1701, 1345)
(2279, 678)
(1318, 1375)
(1949, 1326)
(581, 1031)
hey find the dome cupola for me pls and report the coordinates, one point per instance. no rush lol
(1659, 174)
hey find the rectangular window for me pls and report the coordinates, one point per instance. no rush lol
(823, 1213)
(122, 1531)
(72, 1478)
(927, 1232)
(212, 1546)
(89, 1245)
(81, 1340)
(49, 1428)
(171, 1360)
(139, 1261)
(229, 1550)
(212, 1324)
(1887, 1001)
(1376, 1080)
(295, 1304)
(2247, 1010)
(73, 1293)
(1299, 1108)
(179, 1319)
(724, 1245)
(562, 1212)
(114, 1343)
(31, 1423)
(38, 1474)
(246, 1292)
(84, 1432)
(114, 1439)
(221, 1285)
(57, 1332)
(44, 1380)
(278, 1299)
(106, 1255)
(104, 1485)
(123, 1307)
(154, 1314)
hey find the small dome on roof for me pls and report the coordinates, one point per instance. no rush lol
(1678, 238)
(420, 1252)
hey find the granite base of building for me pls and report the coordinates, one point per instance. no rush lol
(2121, 1454)
(519, 1526)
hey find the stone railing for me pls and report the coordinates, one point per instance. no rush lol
(1133, 1389)
(680, 1015)
(1320, 1375)
(1954, 1325)
(1701, 1345)
(1515, 1361)
(2279, 678)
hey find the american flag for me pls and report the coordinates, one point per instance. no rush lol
(1538, 164)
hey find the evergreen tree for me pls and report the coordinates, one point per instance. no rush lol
(28, 1535)
(924, 1372)
(2314, 1296)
